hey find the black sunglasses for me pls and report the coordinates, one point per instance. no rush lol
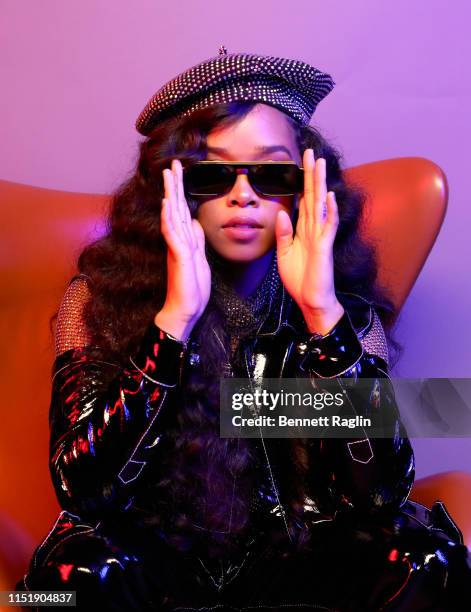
(215, 178)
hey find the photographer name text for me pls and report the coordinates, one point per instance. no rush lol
(285, 421)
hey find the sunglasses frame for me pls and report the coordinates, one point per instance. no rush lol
(246, 164)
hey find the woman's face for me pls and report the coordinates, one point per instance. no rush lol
(263, 134)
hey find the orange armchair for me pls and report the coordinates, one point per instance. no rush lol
(42, 233)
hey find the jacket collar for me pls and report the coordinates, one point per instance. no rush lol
(274, 322)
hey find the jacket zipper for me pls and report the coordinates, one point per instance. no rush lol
(250, 366)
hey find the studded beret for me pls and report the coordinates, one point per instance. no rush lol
(292, 86)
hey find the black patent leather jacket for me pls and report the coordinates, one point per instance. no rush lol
(106, 424)
(106, 420)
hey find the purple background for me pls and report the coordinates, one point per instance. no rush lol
(74, 76)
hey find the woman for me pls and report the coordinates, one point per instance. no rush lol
(251, 269)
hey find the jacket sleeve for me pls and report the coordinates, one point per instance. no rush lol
(365, 474)
(105, 419)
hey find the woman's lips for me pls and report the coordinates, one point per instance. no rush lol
(241, 233)
(242, 227)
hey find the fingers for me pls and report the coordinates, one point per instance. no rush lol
(313, 204)
(199, 235)
(320, 190)
(177, 170)
(178, 211)
(168, 230)
(179, 203)
(172, 211)
(332, 216)
(283, 233)
(305, 204)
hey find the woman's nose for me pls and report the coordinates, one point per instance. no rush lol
(242, 192)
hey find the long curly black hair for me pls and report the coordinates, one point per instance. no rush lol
(191, 493)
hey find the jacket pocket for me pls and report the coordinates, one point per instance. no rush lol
(360, 450)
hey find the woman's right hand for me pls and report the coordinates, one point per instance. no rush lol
(188, 271)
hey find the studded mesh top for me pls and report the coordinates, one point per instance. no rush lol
(244, 316)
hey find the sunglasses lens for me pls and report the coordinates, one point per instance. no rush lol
(276, 179)
(268, 179)
(208, 179)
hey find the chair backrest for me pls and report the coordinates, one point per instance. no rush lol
(41, 234)
(407, 200)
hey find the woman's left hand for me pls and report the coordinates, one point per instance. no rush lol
(305, 261)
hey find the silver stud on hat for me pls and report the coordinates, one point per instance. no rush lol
(292, 86)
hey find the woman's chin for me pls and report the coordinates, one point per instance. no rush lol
(242, 254)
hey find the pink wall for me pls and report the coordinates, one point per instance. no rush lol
(76, 74)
